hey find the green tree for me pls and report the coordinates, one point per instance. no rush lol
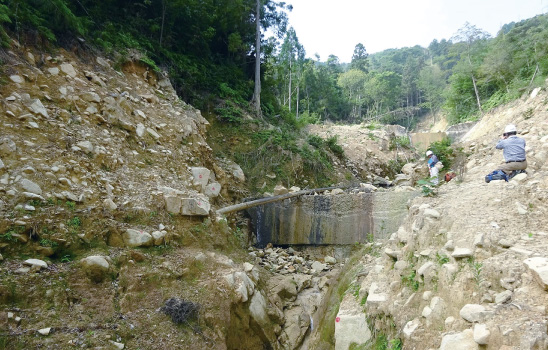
(291, 63)
(474, 40)
(383, 91)
(432, 83)
(360, 59)
(353, 83)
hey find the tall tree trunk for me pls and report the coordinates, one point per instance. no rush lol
(164, 9)
(474, 81)
(297, 102)
(477, 94)
(289, 90)
(257, 91)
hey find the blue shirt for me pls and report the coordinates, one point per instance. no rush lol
(513, 148)
(432, 161)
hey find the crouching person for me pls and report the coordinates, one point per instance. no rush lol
(513, 150)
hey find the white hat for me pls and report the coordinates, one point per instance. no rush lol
(510, 128)
(428, 153)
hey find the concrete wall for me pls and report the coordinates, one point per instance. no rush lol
(457, 131)
(421, 140)
(326, 219)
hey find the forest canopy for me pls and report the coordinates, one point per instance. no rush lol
(208, 48)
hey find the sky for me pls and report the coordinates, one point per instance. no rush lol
(335, 26)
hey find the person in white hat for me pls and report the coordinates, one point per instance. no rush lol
(432, 168)
(513, 150)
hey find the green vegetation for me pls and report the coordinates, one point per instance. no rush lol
(208, 48)
(443, 150)
(476, 268)
(427, 187)
(442, 259)
(382, 327)
(8, 235)
(70, 205)
(400, 142)
(278, 150)
(410, 280)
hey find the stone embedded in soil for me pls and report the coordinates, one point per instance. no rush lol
(459, 341)
(539, 268)
(460, 253)
(520, 177)
(330, 260)
(86, 146)
(212, 189)
(140, 130)
(30, 186)
(68, 69)
(159, 237)
(505, 243)
(503, 297)
(109, 204)
(392, 253)
(153, 133)
(472, 312)
(173, 203)
(481, 334)
(423, 270)
(279, 190)
(137, 238)
(318, 266)
(40, 264)
(17, 79)
(410, 327)
(44, 331)
(117, 345)
(195, 206)
(350, 324)
(96, 267)
(432, 213)
(200, 177)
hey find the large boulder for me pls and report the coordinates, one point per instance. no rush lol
(472, 312)
(200, 177)
(241, 284)
(539, 268)
(96, 267)
(297, 322)
(198, 206)
(402, 180)
(459, 341)
(68, 69)
(350, 324)
(137, 238)
(36, 264)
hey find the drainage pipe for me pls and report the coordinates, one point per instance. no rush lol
(254, 203)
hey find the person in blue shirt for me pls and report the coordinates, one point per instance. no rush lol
(434, 171)
(513, 150)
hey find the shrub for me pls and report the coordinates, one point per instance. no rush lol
(443, 150)
(315, 140)
(334, 146)
(399, 142)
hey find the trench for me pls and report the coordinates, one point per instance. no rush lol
(327, 225)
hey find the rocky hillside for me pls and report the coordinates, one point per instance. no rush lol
(371, 150)
(469, 268)
(106, 188)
